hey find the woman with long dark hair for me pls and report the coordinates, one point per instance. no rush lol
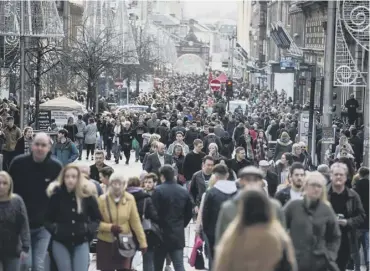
(260, 146)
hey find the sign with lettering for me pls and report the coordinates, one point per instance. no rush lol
(44, 120)
(327, 135)
(61, 117)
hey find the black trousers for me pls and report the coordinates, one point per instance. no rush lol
(90, 148)
(109, 148)
(126, 151)
(7, 159)
(344, 255)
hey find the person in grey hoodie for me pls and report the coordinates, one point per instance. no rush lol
(90, 138)
(249, 178)
(81, 125)
(219, 193)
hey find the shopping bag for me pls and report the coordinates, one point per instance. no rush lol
(198, 243)
(135, 144)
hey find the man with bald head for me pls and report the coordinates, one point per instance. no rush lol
(157, 159)
(32, 173)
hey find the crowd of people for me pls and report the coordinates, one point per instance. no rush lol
(255, 207)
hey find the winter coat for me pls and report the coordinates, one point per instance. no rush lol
(65, 152)
(140, 196)
(138, 133)
(315, 235)
(72, 131)
(282, 148)
(11, 136)
(238, 132)
(227, 146)
(90, 133)
(190, 136)
(362, 188)
(259, 247)
(81, 125)
(355, 216)
(211, 138)
(229, 210)
(283, 195)
(197, 187)
(14, 229)
(31, 180)
(219, 193)
(63, 221)
(164, 132)
(124, 214)
(174, 209)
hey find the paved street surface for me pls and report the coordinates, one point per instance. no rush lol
(134, 169)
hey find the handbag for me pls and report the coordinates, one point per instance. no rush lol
(198, 243)
(151, 229)
(123, 242)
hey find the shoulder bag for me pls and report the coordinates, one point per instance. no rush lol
(123, 242)
(151, 229)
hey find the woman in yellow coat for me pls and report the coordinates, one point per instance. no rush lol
(125, 219)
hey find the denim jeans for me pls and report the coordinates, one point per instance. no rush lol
(10, 264)
(40, 239)
(80, 142)
(177, 257)
(148, 260)
(364, 242)
(71, 259)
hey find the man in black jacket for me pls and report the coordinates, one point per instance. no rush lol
(270, 177)
(32, 173)
(219, 193)
(174, 209)
(357, 146)
(239, 161)
(362, 188)
(347, 205)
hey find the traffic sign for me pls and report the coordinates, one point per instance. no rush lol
(215, 85)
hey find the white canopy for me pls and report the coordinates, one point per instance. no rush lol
(63, 104)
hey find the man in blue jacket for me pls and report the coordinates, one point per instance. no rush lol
(64, 149)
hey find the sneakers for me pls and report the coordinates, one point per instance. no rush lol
(168, 268)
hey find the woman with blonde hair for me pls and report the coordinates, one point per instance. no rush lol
(313, 226)
(72, 218)
(119, 216)
(15, 240)
(268, 246)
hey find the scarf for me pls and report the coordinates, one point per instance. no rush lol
(261, 149)
(249, 149)
(133, 189)
(117, 131)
